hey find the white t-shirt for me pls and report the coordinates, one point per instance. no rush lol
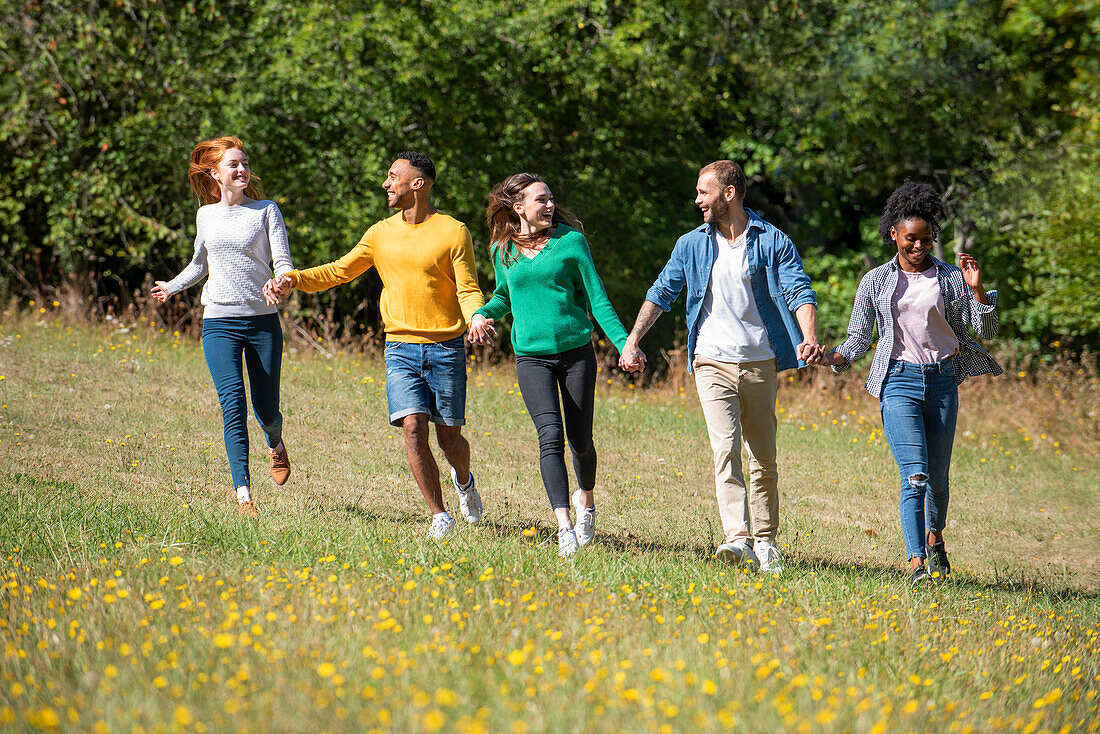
(730, 328)
(921, 332)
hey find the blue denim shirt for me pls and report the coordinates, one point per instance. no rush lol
(779, 284)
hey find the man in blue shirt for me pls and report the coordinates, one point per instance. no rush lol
(751, 313)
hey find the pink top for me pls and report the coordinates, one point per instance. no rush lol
(921, 332)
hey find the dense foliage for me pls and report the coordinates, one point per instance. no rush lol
(617, 103)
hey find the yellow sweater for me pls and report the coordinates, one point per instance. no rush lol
(429, 281)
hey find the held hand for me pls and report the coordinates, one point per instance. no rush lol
(481, 330)
(270, 293)
(810, 352)
(831, 359)
(972, 272)
(277, 288)
(159, 292)
(632, 358)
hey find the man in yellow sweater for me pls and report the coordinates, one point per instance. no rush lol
(425, 259)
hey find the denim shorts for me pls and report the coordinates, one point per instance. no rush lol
(427, 378)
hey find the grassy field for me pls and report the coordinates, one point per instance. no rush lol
(135, 599)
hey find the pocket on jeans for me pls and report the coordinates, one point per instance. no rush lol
(453, 345)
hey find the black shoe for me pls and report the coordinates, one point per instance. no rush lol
(938, 565)
(919, 577)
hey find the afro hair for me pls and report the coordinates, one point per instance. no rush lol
(911, 200)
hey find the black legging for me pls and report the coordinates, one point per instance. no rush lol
(540, 378)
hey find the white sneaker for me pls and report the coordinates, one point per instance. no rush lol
(469, 501)
(586, 526)
(568, 545)
(770, 560)
(736, 553)
(442, 526)
(586, 519)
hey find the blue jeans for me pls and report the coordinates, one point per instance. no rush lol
(427, 378)
(259, 340)
(920, 404)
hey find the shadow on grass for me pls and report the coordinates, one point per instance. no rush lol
(797, 565)
(52, 521)
(960, 583)
(621, 542)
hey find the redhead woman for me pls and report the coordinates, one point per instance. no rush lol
(240, 236)
(924, 310)
(546, 279)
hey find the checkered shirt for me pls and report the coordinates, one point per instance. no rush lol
(873, 308)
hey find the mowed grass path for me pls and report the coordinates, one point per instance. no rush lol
(134, 599)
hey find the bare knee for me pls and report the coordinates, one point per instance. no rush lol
(449, 438)
(416, 431)
(918, 481)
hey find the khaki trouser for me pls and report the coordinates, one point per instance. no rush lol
(739, 402)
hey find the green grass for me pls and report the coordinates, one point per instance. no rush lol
(136, 600)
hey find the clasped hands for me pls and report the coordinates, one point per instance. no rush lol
(632, 358)
(819, 354)
(482, 330)
(277, 288)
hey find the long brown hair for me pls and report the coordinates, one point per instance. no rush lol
(503, 222)
(205, 158)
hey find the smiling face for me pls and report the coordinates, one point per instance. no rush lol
(402, 180)
(712, 199)
(535, 208)
(232, 171)
(914, 240)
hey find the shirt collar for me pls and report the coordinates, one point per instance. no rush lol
(938, 264)
(755, 222)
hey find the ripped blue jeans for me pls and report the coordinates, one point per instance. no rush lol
(920, 405)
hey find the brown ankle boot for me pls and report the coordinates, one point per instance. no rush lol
(280, 466)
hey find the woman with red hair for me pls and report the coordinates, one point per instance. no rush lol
(240, 236)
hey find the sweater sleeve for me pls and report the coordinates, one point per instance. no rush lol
(196, 270)
(344, 270)
(597, 297)
(470, 298)
(500, 304)
(277, 240)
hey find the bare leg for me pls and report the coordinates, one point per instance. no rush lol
(456, 449)
(562, 513)
(421, 461)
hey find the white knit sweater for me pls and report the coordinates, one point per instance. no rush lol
(236, 246)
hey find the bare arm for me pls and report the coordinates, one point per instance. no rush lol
(808, 350)
(632, 357)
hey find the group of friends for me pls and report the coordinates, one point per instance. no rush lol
(751, 313)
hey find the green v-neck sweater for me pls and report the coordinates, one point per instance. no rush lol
(549, 296)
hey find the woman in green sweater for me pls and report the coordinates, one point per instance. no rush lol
(546, 279)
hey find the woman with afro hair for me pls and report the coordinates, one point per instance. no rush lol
(924, 310)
